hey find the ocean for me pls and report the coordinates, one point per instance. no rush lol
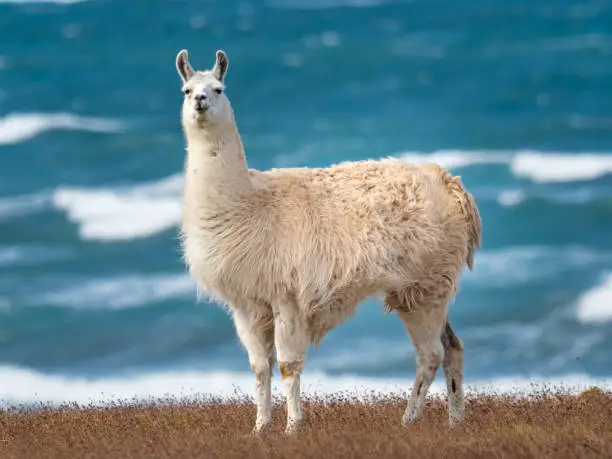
(95, 301)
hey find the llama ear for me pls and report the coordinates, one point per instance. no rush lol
(220, 68)
(183, 66)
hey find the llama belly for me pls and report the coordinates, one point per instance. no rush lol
(325, 316)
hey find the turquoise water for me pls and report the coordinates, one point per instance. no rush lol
(512, 96)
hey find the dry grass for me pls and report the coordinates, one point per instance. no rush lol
(548, 425)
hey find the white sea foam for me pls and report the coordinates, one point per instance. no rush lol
(22, 385)
(510, 198)
(546, 168)
(119, 292)
(19, 127)
(454, 159)
(539, 167)
(518, 264)
(595, 305)
(121, 213)
(108, 213)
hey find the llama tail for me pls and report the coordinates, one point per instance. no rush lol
(469, 210)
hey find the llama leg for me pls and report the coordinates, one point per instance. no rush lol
(291, 340)
(258, 339)
(425, 327)
(453, 372)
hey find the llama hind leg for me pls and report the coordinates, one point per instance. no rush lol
(453, 373)
(424, 326)
(258, 339)
(291, 340)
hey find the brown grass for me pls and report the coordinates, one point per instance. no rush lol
(548, 425)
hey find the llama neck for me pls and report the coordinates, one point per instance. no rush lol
(216, 165)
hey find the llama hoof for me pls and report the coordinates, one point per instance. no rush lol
(260, 427)
(410, 418)
(292, 428)
(455, 420)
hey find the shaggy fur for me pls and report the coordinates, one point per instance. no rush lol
(293, 251)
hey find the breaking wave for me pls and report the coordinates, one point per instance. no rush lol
(595, 305)
(110, 214)
(19, 127)
(539, 167)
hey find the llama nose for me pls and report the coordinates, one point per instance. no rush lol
(201, 97)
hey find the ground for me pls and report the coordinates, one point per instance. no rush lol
(549, 424)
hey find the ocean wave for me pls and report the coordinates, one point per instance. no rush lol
(595, 305)
(19, 127)
(454, 159)
(547, 168)
(518, 264)
(575, 195)
(21, 385)
(16, 206)
(58, 2)
(325, 4)
(118, 292)
(539, 167)
(510, 198)
(110, 214)
(30, 255)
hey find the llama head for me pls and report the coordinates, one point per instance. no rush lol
(205, 102)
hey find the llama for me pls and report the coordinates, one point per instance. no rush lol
(292, 252)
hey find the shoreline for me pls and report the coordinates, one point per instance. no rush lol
(27, 386)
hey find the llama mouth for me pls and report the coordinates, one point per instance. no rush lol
(201, 108)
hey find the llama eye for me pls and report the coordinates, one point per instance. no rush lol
(187, 91)
(218, 90)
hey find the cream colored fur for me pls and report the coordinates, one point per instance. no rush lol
(293, 251)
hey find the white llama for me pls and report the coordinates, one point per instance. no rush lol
(292, 252)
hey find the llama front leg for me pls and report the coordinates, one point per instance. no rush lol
(258, 339)
(291, 341)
